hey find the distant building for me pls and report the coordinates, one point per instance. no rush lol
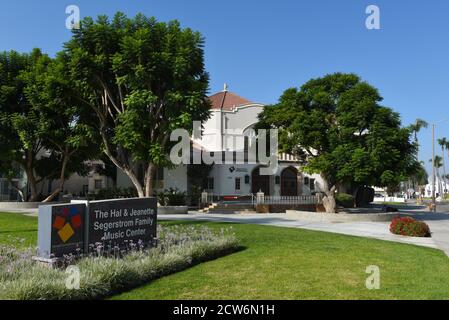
(228, 131)
(441, 187)
(76, 185)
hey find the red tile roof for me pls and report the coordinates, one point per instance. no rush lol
(228, 100)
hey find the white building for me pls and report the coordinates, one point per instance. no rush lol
(441, 187)
(228, 131)
(75, 186)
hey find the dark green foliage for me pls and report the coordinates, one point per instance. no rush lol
(338, 128)
(364, 196)
(172, 197)
(114, 193)
(345, 200)
(143, 79)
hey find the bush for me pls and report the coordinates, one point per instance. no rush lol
(172, 197)
(345, 200)
(101, 276)
(114, 193)
(406, 226)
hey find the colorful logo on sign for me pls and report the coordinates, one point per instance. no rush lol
(67, 221)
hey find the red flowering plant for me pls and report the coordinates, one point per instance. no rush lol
(406, 226)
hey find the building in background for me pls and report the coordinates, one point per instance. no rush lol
(228, 132)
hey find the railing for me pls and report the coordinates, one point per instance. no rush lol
(211, 198)
(289, 200)
(260, 198)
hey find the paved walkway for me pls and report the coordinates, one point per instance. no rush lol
(376, 230)
(439, 226)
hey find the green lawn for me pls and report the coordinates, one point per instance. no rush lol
(17, 226)
(283, 263)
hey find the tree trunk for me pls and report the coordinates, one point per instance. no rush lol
(60, 188)
(20, 192)
(149, 180)
(135, 181)
(444, 177)
(122, 166)
(31, 179)
(329, 201)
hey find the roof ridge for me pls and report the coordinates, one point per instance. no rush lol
(228, 100)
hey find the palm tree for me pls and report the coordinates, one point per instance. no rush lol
(419, 179)
(446, 176)
(443, 143)
(416, 127)
(437, 163)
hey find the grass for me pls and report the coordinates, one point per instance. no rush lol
(13, 226)
(284, 263)
(103, 274)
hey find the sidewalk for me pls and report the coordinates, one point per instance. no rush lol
(439, 227)
(376, 230)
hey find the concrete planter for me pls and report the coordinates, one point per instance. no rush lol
(172, 210)
(19, 205)
(342, 217)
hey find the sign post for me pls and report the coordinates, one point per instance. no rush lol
(61, 230)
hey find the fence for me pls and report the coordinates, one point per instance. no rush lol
(289, 200)
(260, 198)
(7, 193)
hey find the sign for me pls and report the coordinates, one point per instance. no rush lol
(70, 228)
(61, 230)
(117, 221)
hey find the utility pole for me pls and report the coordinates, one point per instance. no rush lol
(434, 202)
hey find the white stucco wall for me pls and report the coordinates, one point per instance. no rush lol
(234, 124)
(173, 178)
(176, 178)
(224, 179)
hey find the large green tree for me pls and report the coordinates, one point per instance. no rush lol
(65, 125)
(21, 140)
(43, 130)
(337, 126)
(143, 79)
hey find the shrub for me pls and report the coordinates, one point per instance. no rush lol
(114, 193)
(172, 197)
(179, 247)
(406, 226)
(345, 200)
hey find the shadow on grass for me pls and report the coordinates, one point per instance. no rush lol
(195, 262)
(18, 230)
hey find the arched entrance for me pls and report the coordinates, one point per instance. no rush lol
(260, 182)
(289, 182)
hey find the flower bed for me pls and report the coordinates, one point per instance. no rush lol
(179, 247)
(406, 226)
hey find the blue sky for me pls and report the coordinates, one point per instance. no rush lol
(261, 48)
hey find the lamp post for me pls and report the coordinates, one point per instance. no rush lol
(434, 200)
